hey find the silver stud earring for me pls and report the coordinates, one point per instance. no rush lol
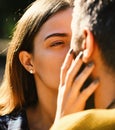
(31, 71)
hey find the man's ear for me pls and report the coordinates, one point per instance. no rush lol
(26, 60)
(87, 45)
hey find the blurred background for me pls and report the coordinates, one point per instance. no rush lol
(10, 12)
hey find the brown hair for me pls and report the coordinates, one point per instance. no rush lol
(18, 88)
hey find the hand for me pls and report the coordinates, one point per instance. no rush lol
(70, 99)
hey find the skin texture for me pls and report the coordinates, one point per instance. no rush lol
(70, 95)
(70, 85)
(84, 38)
(50, 47)
(70, 99)
(50, 50)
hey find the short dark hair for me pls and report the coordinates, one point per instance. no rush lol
(99, 17)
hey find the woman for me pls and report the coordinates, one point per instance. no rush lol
(28, 93)
(36, 52)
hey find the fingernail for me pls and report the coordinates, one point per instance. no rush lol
(96, 81)
(70, 51)
(81, 55)
(90, 64)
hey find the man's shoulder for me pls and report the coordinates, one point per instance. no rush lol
(95, 119)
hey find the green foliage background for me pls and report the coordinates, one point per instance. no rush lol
(10, 12)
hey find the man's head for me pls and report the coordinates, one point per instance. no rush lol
(93, 28)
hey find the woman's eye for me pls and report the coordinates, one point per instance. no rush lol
(56, 44)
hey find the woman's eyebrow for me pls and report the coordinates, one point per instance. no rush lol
(56, 34)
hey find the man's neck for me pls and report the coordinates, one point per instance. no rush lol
(105, 93)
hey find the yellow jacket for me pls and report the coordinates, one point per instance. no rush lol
(94, 119)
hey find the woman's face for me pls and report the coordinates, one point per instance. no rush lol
(50, 47)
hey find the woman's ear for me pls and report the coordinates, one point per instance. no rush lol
(87, 45)
(26, 60)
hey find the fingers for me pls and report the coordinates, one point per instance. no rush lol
(84, 95)
(73, 70)
(70, 98)
(81, 78)
(78, 83)
(69, 74)
(65, 66)
(78, 103)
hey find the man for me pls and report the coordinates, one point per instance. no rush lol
(87, 120)
(93, 33)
